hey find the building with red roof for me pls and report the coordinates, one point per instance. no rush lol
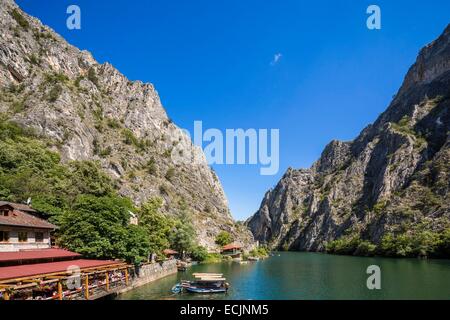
(232, 250)
(46, 269)
(232, 246)
(170, 254)
(36, 256)
(22, 229)
(31, 269)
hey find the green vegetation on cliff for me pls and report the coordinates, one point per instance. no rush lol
(77, 196)
(223, 238)
(259, 252)
(414, 244)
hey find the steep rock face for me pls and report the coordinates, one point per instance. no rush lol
(282, 206)
(92, 111)
(393, 178)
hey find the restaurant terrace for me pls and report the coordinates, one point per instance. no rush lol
(74, 278)
(30, 268)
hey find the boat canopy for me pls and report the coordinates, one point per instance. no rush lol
(211, 279)
(198, 275)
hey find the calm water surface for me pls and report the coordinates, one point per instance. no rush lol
(314, 276)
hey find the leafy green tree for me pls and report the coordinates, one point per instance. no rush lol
(396, 245)
(365, 248)
(260, 252)
(426, 243)
(223, 238)
(156, 225)
(199, 253)
(87, 177)
(182, 236)
(97, 227)
(137, 244)
(346, 245)
(444, 244)
(52, 206)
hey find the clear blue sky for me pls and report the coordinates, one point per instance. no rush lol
(211, 61)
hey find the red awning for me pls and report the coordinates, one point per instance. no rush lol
(231, 247)
(52, 253)
(169, 252)
(30, 270)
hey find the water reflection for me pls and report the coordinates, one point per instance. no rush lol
(314, 276)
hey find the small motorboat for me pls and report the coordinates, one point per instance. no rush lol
(193, 289)
(203, 283)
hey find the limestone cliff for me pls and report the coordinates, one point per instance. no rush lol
(394, 178)
(92, 111)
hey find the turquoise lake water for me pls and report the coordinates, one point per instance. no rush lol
(294, 276)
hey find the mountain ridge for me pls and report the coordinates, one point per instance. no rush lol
(379, 184)
(92, 111)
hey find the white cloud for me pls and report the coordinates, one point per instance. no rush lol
(276, 58)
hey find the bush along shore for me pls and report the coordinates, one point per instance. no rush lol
(223, 239)
(422, 244)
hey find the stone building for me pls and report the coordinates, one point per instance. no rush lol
(22, 229)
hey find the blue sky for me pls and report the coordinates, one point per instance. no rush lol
(213, 61)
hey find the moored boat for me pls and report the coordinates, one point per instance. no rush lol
(203, 283)
(194, 289)
(252, 258)
(177, 288)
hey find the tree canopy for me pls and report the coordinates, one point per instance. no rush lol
(223, 238)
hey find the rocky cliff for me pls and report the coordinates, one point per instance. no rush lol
(92, 111)
(393, 179)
